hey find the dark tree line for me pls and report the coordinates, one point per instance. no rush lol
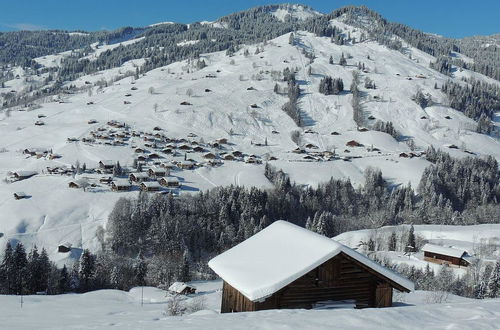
(331, 86)
(477, 100)
(291, 107)
(386, 127)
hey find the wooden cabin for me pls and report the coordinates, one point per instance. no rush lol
(353, 143)
(106, 180)
(107, 165)
(198, 149)
(237, 153)
(311, 146)
(181, 288)
(228, 157)
(170, 182)
(209, 155)
(121, 185)
(157, 172)
(445, 255)
(186, 165)
(138, 177)
(150, 186)
(286, 266)
(74, 184)
(64, 248)
(22, 175)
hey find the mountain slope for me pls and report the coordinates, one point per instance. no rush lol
(231, 97)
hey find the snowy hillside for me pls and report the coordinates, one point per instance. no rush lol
(111, 308)
(230, 98)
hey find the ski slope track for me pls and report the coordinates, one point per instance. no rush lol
(232, 98)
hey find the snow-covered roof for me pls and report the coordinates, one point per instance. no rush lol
(140, 175)
(25, 173)
(107, 162)
(171, 179)
(177, 287)
(281, 253)
(121, 183)
(156, 169)
(151, 184)
(447, 251)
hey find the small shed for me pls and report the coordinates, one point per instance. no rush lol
(237, 153)
(198, 149)
(353, 143)
(228, 157)
(181, 288)
(286, 266)
(445, 255)
(20, 195)
(74, 184)
(209, 155)
(64, 248)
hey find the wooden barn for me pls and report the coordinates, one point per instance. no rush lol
(286, 266)
(445, 255)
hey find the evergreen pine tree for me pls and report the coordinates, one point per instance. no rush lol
(411, 244)
(87, 271)
(63, 284)
(493, 288)
(392, 242)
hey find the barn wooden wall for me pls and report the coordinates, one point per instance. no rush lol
(340, 278)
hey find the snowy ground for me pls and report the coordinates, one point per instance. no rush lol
(112, 309)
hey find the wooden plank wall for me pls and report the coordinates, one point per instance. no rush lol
(234, 301)
(340, 278)
(337, 279)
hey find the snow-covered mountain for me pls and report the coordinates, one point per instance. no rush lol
(218, 95)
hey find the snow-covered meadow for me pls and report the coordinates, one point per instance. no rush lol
(112, 309)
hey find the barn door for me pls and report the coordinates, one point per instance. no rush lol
(383, 295)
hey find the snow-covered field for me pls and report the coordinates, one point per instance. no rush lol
(222, 96)
(112, 309)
